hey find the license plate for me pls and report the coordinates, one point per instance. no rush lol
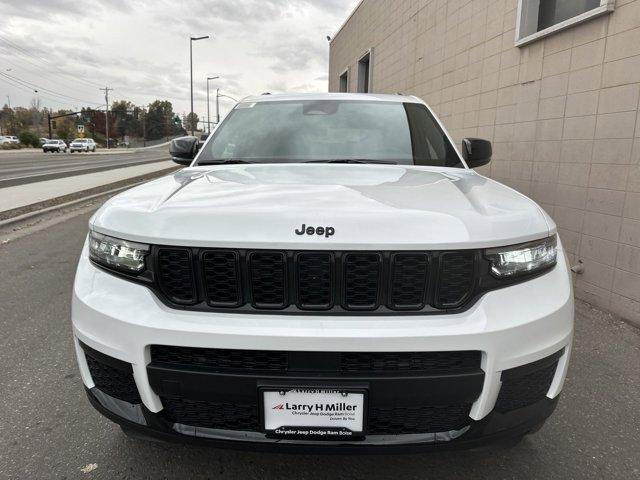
(313, 413)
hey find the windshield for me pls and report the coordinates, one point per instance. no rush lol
(79, 140)
(330, 130)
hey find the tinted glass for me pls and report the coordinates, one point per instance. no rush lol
(556, 11)
(325, 130)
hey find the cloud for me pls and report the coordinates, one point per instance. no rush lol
(141, 48)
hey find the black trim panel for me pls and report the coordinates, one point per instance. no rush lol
(481, 282)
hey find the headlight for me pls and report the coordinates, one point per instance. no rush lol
(515, 260)
(118, 254)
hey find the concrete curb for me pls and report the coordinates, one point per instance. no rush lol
(44, 211)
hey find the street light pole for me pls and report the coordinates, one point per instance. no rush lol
(191, 40)
(208, 114)
(217, 106)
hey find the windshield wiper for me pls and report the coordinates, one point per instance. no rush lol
(355, 160)
(228, 161)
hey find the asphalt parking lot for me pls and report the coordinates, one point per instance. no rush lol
(49, 430)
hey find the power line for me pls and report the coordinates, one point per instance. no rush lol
(26, 53)
(30, 90)
(52, 92)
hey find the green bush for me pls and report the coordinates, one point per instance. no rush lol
(29, 139)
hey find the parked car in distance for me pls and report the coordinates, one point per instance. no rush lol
(328, 271)
(82, 145)
(4, 140)
(54, 146)
(11, 139)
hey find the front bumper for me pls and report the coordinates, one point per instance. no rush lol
(512, 328)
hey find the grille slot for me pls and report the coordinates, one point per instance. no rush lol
(211, 414)
(114, 378)
(222, 278)
(268, 279)
(422, 362)
(418, 419)
(526, 385)
(408, 281)
(220, 359)
(175, 275)
(362, 280)
(315, 280)
(455, 279)
(366, 363)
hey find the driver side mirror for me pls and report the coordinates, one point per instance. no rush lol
(476, 152)
(184, 149)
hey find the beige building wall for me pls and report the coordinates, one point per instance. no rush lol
(562, 113)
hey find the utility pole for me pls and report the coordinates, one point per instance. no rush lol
(49, 123)
(106, 112)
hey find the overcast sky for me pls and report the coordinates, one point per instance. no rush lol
(140, 48)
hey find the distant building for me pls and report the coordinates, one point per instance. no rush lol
(554, 84)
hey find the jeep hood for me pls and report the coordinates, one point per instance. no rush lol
(368, 206)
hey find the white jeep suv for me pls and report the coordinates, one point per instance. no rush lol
(328, 273)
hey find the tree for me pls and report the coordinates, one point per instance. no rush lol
(127, 118)
(190, 121)
(160, 120)
(65, 126)
(7, 121)
(29, 138)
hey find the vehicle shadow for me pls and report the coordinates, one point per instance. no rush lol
(158, 460)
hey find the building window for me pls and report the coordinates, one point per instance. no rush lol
(364, 73)
(539, 18)
(344, 82)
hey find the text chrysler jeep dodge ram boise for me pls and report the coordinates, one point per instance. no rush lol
(328, 272)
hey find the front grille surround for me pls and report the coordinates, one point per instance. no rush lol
(316, 281)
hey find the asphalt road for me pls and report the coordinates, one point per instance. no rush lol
(17, 168)
(48, 430)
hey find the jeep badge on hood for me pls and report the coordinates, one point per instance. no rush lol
(326, 231)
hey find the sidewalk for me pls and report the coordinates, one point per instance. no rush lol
(30, 193)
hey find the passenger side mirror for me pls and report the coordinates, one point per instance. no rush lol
(476, 152)
(184, 149)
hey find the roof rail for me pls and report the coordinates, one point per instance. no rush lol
(266, 93)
